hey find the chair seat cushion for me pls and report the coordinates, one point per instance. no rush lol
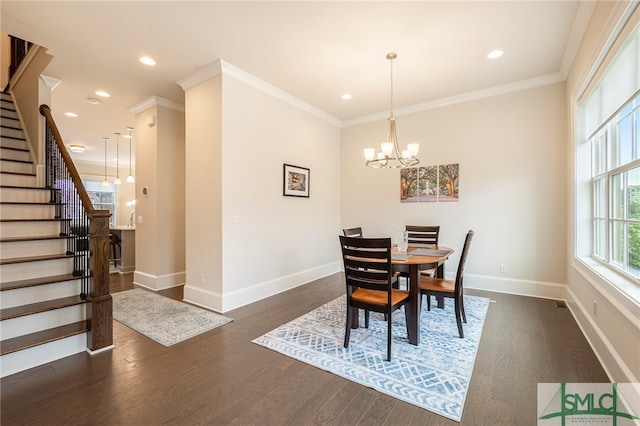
(437, 284)
(379, 297)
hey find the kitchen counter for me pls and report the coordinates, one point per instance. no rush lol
(127, 260)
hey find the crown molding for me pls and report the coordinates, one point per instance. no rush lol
(205, 73)
(464, 97)
(156, 101)
(221, 67)
(250, 80)
(50, 82)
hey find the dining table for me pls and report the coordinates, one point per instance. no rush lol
(416, 259)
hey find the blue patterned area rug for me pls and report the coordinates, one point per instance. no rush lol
(434, 375)
(162, 319)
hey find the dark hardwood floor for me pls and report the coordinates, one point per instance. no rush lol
(220, 377)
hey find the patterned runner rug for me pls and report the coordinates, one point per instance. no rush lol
(434, 375)
(162, 319)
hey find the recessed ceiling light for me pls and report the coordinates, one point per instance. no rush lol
(495, 54)
(93, 101)
(71, 114)
(103, 94)
(346, 96)
(147, 60)
(77, 148)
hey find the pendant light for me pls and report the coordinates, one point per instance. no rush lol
(117, 181)
(105, 182)
(390, 156)
(130, 178)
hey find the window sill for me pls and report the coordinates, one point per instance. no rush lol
(627, 286)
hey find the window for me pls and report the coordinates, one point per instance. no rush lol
(615, 158)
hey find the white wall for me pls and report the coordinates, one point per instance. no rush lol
(511, 153)
(280, 242)
(613, 329)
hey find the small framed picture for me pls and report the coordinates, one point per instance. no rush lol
(295, 181)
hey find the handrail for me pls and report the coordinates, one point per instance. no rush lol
(86, 230)
(73, 172)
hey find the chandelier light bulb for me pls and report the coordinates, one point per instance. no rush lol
(369, 153)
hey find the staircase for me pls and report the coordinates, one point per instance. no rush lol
(42, 316)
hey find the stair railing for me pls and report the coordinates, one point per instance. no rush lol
(19, 50)
(86, 231)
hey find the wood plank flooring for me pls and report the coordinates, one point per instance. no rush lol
(220, 377)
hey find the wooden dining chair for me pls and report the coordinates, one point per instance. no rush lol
(353, 232)
(422, 235)
(368, 277)
(431, 286)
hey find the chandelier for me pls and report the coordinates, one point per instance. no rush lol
(390, 156)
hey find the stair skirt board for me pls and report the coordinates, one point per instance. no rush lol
(40, 293)
(42, 354)
(20, 326)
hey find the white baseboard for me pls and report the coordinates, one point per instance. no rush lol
(235, 299)
(614, 366)
(159, 282)
(518, 287)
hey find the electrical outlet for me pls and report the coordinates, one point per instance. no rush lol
(140, 220)
(201, 277)
(503, 268)
(235, 221)
(595, 308)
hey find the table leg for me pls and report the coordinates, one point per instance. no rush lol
(413, 306)
(440, 274)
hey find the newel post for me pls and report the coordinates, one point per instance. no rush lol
(99, 301)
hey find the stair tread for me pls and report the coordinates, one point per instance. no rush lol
(33, 282)
(41, 337)
(35, 220)
(14, 260)
(31, 203)
(36, 308)
(17, 173)
(16, 161)
(13, 148)
(34, 238)
(33, 188)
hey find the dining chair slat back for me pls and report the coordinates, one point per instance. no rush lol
(423, 234)
(353, 232)
(431, 286)
(369, 281)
